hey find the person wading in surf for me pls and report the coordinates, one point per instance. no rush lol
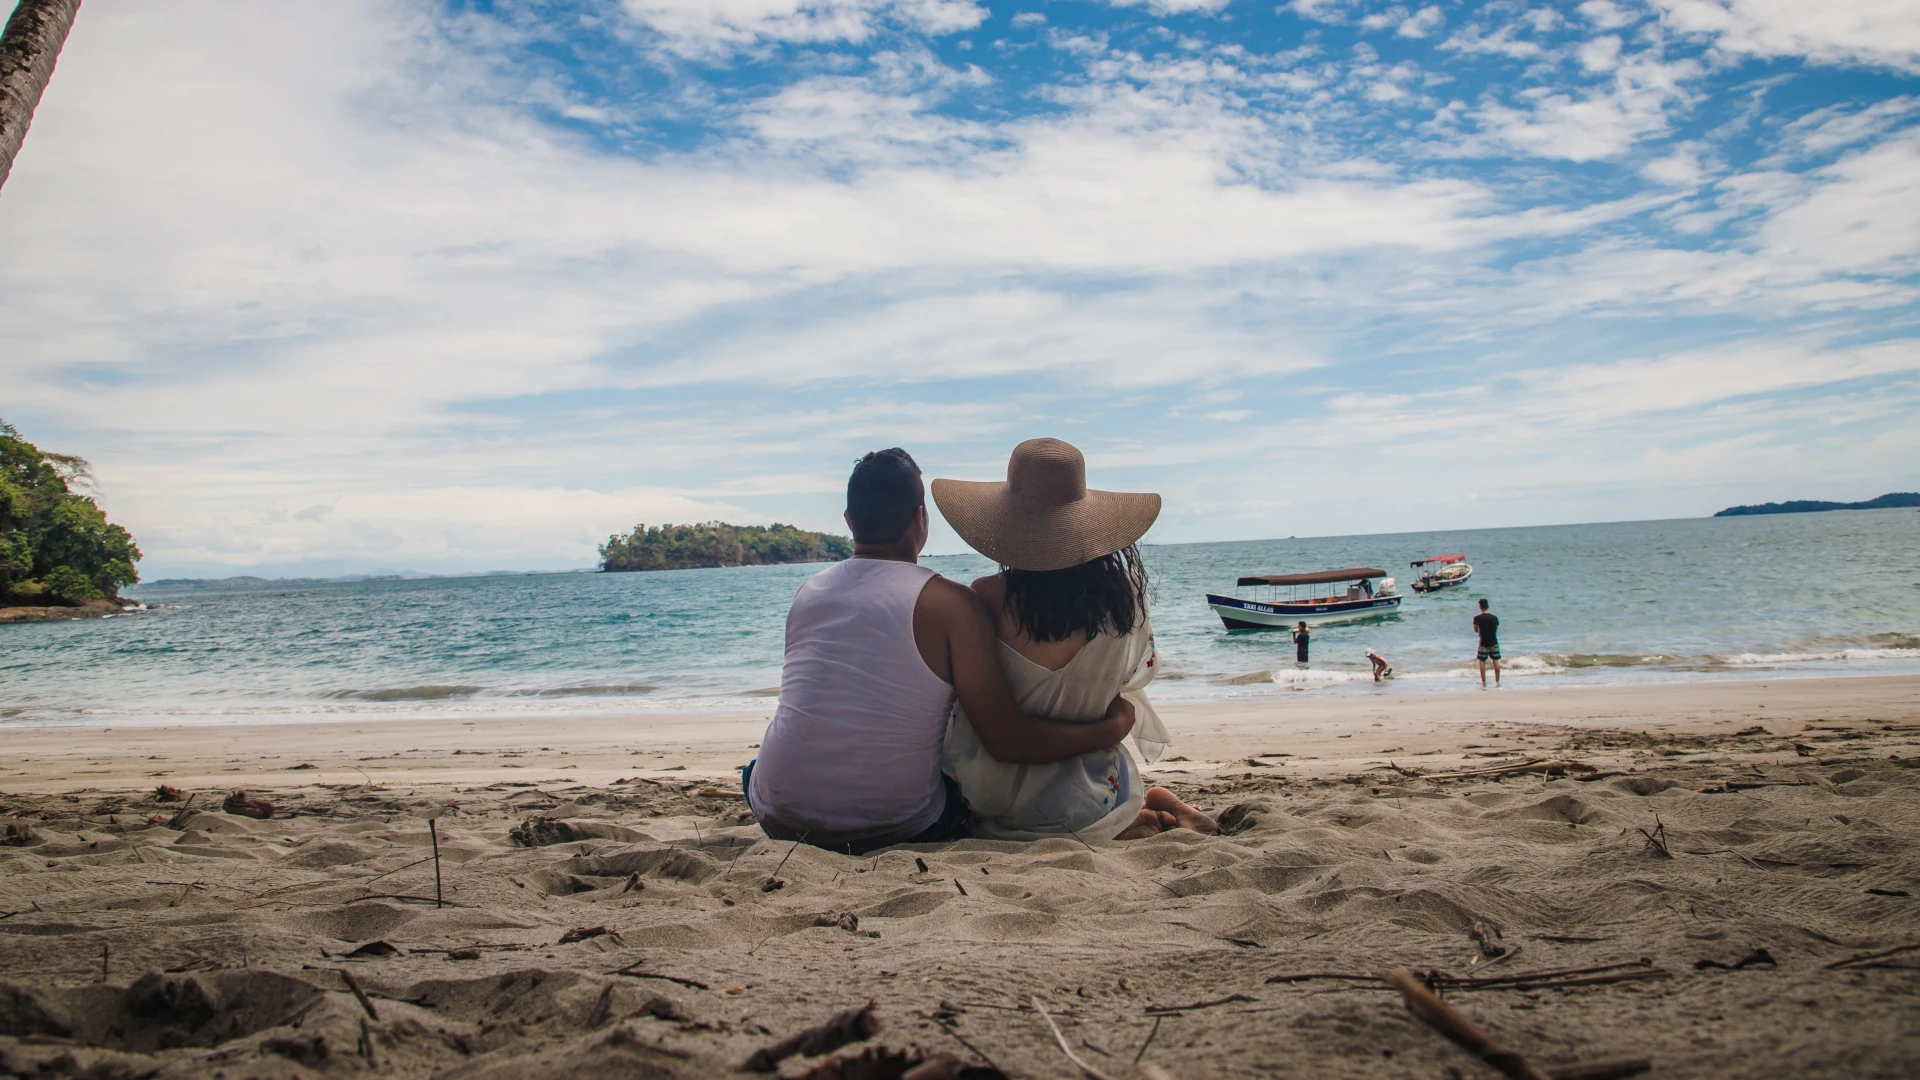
(1487, 625)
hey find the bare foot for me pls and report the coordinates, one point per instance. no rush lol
(1168, 805)
(1148, 823)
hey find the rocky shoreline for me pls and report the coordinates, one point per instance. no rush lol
(87, 609)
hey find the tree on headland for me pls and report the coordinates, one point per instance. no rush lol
(55, 543)
(715, 543)
(28, 48)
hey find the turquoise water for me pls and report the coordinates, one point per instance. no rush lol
(1814, 594)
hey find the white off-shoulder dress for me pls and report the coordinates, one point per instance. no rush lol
(1093, 796)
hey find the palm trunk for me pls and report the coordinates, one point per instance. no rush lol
(27, 51)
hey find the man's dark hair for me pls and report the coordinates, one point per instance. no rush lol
(883, 494)
(1483, 603)
(1100, 596)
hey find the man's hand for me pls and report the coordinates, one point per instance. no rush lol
(1119, 718)
(953, 629)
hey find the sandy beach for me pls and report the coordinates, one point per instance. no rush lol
(1699, 856)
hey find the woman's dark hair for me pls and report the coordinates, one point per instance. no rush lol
(883, 494)
(1103, 595)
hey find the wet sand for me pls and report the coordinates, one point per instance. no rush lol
(609, 906)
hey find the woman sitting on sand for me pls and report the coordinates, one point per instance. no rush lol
(1070, 609)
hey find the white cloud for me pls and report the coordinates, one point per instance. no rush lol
(1422, 22)
(1596, 124)
(1605, 14)
(707, 26)
(1836, 126)
(320, 282)
(1875, 32)
(1174, 7)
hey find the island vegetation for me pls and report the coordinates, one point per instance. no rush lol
(716, 543)
(1896, 500)
(57, 548)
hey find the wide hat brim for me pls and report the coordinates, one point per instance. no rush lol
(1025, 536)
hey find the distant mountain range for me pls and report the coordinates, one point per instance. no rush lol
(1892, 501)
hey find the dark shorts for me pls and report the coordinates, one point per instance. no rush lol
(951, 825)
(1489, 652)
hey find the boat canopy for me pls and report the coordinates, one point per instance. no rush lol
(1443, 559)
(1323, 577)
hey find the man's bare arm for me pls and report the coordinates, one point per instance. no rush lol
(972, 657)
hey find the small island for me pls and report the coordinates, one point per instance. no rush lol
(716, 543)
(1897, 500)
(59, 556)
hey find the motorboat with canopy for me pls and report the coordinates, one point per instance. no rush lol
(1269, 609)
(1448, 571)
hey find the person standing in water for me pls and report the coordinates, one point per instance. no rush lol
(1487, 625)
(1300, 643)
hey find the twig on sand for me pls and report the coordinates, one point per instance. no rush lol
(434, 900)
(377, 877)
(433, 831)
(1601, 1070)
(1142, 1052)
(1072, 833)
(1228, 1000)
(846, 1026)
(1861, 958)
(1554, 979)
(1545, 765)
(947, 1026)
(630, 973)
(359, 994)
(1657, 839)
(1092, 1073)
(1727, 851)
(1438, 1015)
(1310, 976)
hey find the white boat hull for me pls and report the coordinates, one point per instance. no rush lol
(1437, 582)
(1241, 614)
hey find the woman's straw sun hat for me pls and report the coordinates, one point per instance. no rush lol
(1044, 517)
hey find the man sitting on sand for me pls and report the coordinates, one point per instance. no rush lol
(878, 648)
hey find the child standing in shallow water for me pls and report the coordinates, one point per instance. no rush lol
(1300, 643)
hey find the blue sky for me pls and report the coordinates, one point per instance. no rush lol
(335, 287)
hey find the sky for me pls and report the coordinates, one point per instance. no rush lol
(333, 288)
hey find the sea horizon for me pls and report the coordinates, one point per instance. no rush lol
(1617, 602)
(345, 576)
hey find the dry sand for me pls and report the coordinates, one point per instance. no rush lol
(138, 937)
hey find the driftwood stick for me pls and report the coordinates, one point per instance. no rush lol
(359, 994)
(418, 899)
(1529, 765)
(1228, 1000)
(630, 973)
(1143, 1046)
(433, 832)
(1535, 976)
(1438, 1015)
(1092, 1073)
(846, 1026)
(1860, 958)
(1601, 1070)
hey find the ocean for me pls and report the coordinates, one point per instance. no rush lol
(1714, 598)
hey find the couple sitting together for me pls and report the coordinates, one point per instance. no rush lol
(1046, 660)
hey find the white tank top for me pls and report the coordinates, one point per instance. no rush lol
(855, 747)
